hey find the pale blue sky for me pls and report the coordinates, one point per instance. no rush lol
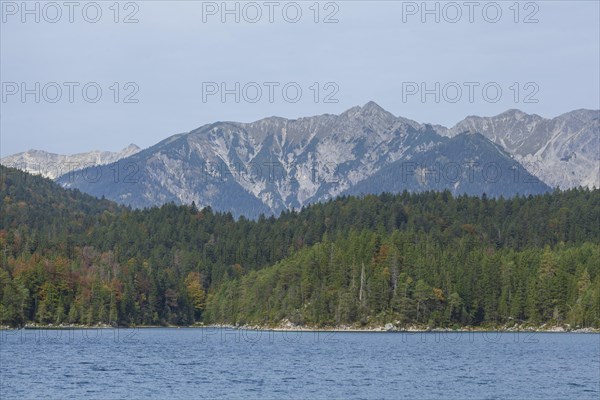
(368, 55)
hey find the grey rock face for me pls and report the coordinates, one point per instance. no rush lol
(51, 165)
(276, 164)
(564, 151)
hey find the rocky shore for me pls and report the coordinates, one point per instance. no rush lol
(286, 325)
(389, 327)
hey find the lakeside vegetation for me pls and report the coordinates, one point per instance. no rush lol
(426, 259)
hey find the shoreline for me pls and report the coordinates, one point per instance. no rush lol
(288, 327)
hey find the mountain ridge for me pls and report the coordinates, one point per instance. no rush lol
(275, 164)
(563, 151)
(53, 165)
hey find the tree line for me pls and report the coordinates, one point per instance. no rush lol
(428, 258)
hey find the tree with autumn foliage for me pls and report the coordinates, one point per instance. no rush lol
(197, 295)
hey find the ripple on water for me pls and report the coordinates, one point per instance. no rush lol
(166, 365)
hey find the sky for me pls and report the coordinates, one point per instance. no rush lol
(99, 76)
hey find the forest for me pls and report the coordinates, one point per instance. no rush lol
(426, 259)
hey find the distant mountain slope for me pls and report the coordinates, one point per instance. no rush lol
(170, 171)
(51, 165)
(428, 259)
(276, 164)
(563, 151)
(29, 202)
(465, 164)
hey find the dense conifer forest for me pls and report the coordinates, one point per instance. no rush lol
(427, 259)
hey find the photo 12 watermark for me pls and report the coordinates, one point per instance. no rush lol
(252, 12)
(70, 335)
(54, 12)
(270, 172)
(453, 12)
(451, 173)
(70, 92)
(289, 335)
(119, 172)
(270, 92)
(470, 92)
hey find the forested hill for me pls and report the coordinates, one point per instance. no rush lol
(38, 205)
(428, 259)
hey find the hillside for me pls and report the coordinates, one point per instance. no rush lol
(562, 152)
(428, 258)
(52, 165)
(277, 164)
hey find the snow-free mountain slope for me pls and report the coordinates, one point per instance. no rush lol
(51, 165)
(275, 163)
(563, 151)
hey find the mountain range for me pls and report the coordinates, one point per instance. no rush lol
(276, 164)
(563, 151)
(52, 165)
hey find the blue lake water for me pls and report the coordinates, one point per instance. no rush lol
(225, 363)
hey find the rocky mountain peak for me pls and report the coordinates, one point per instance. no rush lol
(276, 163)
(52, 165)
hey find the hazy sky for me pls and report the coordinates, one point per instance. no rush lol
(179, 55)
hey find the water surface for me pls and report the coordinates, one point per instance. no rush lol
(209, 363)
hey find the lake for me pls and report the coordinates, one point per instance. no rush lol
(226, 363)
